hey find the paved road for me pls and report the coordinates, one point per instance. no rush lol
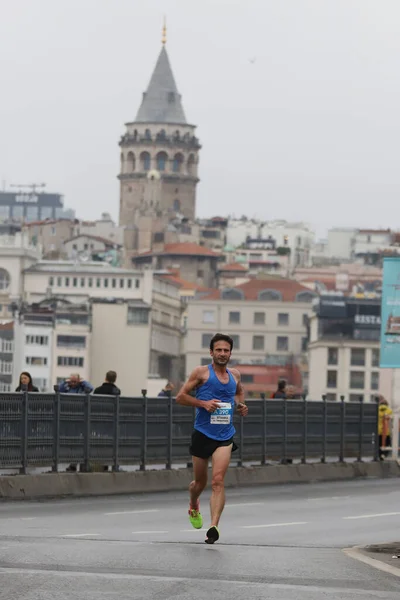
(276, 542)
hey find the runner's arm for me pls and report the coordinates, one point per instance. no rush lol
(183, 397)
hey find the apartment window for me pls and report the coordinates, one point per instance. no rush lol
(90, 282)
(113, 283)
(357, 357)
(7, 346)
(331, 379)
(247, 378)
(51, 281)
(305, 320)
(356, 397)
(137, 283)
(5, 387)
(357, 380)
(236, 341)
(200, 273)
(121, 283)
(71, 341)
(106, 282)
(75, 282)
(258, 342)
(234, 317)
(82, 282)
(259, 318)
(38, 340)
(206, 339)
(67, 282)
(282, 343)
(375, 380)
(129, 283)
(70, 361)
(59, 281)
(53, 231)
(283, 319)
(375, 359)
(333, 356)
(37, 361)
(331, 397)
(6, 367)
(304, 344)
(86, 246)
(137, 316)
(98, 282)
(40, 383)
(208, 316)
(74, 247)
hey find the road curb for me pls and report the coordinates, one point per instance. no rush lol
(358, 553)
(57, 485)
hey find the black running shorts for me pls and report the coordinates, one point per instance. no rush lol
(204, 447)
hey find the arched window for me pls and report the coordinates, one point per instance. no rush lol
(191, 164)
(145, 161)
(147, 134)
(305, 297)
(162, 158)
(130, 162)
(232, 294)
(4, 279)
(177, 163)
(270, 296)
(177, 205)
(122, 163)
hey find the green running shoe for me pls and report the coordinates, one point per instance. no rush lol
(195, 518)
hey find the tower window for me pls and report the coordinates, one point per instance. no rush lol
(177, 163)
(145, 161)
(177, 205)
(131, 162)
(162, 161)
(191, 164)
(147, 134)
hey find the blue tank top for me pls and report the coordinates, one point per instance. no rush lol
(217, 425)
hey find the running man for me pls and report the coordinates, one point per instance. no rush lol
(218, 390)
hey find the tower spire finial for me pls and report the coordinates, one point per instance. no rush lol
(164, 32)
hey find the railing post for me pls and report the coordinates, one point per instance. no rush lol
(241, 442)
(144, 432)
(284, 445)
(342, 428)
(24, 433)
(305, 430)
(361, 430)
(116, 434)
(168, 466)
(264, 430)
(377, 451)
(56, 431)
(88, 434)
(324, 427)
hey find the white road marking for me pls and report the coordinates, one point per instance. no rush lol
(372, 562)
(273, 525)
(390, 514)
(79, 535)
(145, 532)
(245, 504)
(131, 512)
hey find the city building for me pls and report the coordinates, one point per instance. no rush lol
(23, 206)
(344, 348)
(196, 263)
(267, 319)
(51, 235)
(350, 278)
(159, 157)
(6, 355)
(104, 227)
(263, 379)
(88, 246)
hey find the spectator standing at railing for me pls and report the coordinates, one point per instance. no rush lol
(26, 383)
(281, 391)
(75, 385)
(385, 418)
(108, 388)
(167, 390)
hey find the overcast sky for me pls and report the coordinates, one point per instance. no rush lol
(308, 131)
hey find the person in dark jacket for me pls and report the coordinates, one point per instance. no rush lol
(281, 391)
(75, 385)
(25, 383)
(167, 390)
(108, 388)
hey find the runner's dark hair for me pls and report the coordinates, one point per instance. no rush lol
(221, 337)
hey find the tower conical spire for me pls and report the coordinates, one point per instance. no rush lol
(161, 101)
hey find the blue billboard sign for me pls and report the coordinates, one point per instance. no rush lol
(390, 314)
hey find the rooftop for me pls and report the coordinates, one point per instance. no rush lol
(233, 267)
(96, 238)
(288, 288)
(63, 266)
(181, 249)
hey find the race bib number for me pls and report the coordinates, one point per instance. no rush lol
(223, 414)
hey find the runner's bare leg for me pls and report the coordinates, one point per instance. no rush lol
(220, 463)
(200, 473)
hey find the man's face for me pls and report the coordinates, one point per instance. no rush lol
(221, 353)
(73, 381)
